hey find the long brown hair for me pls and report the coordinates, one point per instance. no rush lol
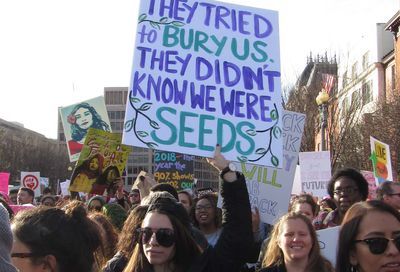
(128, 238)
(186, 249)
(274, 254)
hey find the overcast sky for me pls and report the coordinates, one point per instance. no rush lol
(55, 53)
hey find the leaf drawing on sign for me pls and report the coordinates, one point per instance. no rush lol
(274, 132)
(156, 24)
(140, 110)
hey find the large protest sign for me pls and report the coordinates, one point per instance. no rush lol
(297, 186)
(4, 179)
(205, 73)
(31, 180)
(102, 160)
(78, 118)
(270, 188)
(174, 168)
(315, 172)
(381, 161)
(328, 242)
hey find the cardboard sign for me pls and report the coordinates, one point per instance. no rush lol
(78, 118)
(270, 188)
(101, 163)
(328, 242)
(297, 186)
(174, 168)
(205, 73)
(381, 161)
(315, 172)
(31, 180)
(4, 179)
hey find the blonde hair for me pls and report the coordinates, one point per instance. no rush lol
(274, 255)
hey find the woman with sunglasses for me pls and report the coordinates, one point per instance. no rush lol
(165, 243)
(369, 239)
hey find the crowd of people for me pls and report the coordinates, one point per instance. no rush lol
(156, 228)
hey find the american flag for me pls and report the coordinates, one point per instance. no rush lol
(328, 81)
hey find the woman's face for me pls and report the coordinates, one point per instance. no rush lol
(24, 264)
(94, 164)
(205, 212)
(156, 254)
(95, 205)
(84, 118)
(305, 209)
(295, 240)
(111, 175)
(346, 193)
(377, 224)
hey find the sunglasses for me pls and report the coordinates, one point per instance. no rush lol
(165, 237)
(379, 245)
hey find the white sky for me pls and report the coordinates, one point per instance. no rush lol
(55, 53)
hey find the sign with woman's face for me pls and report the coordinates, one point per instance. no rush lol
(78, 118)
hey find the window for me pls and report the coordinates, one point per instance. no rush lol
(366, 92)
(365, 61)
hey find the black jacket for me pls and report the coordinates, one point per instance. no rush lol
(230, 252)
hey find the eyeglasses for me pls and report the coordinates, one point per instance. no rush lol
(165, 237)
(379, 245)
(201, 207)
(22, 255)
(347, 190)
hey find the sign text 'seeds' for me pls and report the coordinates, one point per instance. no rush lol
(204, 73)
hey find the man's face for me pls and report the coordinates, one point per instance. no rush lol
(134, 197)
(393, 199)
(13, 198)
(23, 197)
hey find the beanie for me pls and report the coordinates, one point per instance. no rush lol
(116, 213)
(6, 241)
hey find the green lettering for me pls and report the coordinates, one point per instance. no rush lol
(183, 129)
(220, 135)
(200, 40)
(167, 36)
(264, 56)
(172, 138)
(203, 130)
(250, 140)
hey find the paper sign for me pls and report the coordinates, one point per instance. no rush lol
(78, 118)
(315, 172)
(64, 187)
(174, 168)
(381, 161)
(297, 186)
(270, 188)
(31, 180)
(328, 242)
(4, 178)
(44, 181)
(205, 73)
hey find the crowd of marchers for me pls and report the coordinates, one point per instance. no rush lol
(156, 228)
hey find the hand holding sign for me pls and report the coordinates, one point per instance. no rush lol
(220, 163)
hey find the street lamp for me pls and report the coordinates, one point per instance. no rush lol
(322, 101)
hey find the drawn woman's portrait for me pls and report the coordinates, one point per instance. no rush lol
(79, 118)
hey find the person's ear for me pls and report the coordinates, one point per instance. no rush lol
(50, 263)
(353, 258)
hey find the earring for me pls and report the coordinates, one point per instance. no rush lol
(353, 269)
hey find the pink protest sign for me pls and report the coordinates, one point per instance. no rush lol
(4, 177)
(369, 176)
